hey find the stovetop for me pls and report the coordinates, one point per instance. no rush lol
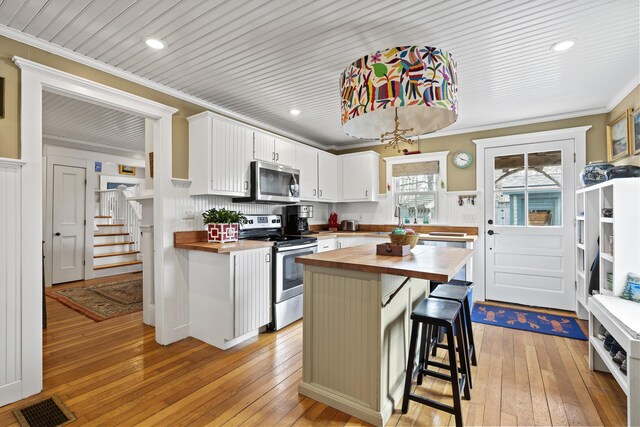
(267, 228)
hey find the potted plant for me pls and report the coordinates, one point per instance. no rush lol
(222, 224)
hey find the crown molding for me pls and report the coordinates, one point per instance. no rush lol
(73, 143)
(126, 75)
(626, 90)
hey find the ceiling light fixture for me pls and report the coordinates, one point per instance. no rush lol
(155, 43)
(563, 45)
(413, 85)
(294, 112)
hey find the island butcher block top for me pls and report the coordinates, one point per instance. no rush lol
(424, 262)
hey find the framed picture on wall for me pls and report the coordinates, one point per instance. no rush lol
(618, 138)
(127, 170)
(634, 146)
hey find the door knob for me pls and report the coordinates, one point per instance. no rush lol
(490, 222)
(57, 234)
(490, 233)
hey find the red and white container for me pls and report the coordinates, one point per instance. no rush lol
(222, 233)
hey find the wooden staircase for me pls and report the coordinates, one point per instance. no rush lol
(113, 249)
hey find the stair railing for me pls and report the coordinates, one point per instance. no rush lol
(114, 203)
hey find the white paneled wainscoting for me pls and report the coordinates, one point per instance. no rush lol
(10, 281)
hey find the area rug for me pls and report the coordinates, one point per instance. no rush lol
(104, 301)
(525, 320)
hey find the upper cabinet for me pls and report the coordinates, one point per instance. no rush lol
(307, 163)
(318, 174)
(220, 153)
(359, 176)
(327, 177)
(272, 149)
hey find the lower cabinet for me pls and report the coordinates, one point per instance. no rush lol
(229, 295)
(325, 245)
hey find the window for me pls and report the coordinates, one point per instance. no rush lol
(530, 183)
(414, 183)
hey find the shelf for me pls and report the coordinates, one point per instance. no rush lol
(580, 273)
(580, 246)
(606, 220)
(607, 257)
(620, 377)
(580, 218)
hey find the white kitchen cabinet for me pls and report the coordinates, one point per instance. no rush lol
(220, 153)
(269, 148)
(359, 176)
(325, 245)
(327, 177)
(229, 295)
(307, 163)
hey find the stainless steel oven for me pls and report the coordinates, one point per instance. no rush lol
(288, 283)
(273, 183)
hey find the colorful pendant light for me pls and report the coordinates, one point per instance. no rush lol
(412, 86)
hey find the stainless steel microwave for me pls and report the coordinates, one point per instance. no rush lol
(272, 183)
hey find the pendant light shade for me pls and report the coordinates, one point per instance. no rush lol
(419, 83)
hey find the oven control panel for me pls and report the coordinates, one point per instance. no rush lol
(262, 221)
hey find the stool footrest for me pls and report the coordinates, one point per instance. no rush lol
(432, 403)
(437, 375)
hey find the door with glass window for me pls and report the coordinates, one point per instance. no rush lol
(529, 203)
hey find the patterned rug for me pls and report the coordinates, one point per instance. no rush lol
(527, 321)
(104, 301)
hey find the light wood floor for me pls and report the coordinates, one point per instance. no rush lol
(113, 373)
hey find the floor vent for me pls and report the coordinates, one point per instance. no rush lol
(50, 412)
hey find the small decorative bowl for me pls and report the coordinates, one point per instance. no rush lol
(404, 239)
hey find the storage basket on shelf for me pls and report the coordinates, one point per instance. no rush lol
(404, 239)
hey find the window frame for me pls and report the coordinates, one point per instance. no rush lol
(442, 158)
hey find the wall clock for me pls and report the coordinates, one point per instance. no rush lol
(462, 159)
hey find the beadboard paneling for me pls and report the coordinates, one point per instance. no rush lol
(10, 283)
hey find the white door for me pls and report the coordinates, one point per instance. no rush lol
(529, 203)
(68, 223)
(307, 163)
(263, 147)
(285, 152)
(327, 176)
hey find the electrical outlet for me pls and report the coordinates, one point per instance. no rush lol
(188, 214)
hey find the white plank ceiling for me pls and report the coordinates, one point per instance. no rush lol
(96, 127)
(260, 58)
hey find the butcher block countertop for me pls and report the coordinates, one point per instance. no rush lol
(438, 238)
(197, 240)
(425, 262)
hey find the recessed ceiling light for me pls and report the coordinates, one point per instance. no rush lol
(294, 112)
(155, 43)
(563, 45)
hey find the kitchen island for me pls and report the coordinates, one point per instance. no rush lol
(356, 323)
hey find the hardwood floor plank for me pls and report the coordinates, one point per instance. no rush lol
(524, 406)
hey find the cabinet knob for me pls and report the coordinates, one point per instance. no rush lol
(277, 157)
(320, 193)
(246, 185)
(273, 156)
(314, 192)
(366, 193)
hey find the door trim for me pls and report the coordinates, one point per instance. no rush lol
(579, 136)
(34, 78)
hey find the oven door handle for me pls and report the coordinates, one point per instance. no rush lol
(296, 247)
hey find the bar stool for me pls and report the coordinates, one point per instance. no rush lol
(461, 295)
(432, 314)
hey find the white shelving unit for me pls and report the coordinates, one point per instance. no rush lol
(617, 240)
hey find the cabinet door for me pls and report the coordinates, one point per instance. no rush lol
(307, 163)
(231, 152)
(327, 176)
(251, 290)
(285, 152)
(263, 147)
(356, 174)
(325, 245)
